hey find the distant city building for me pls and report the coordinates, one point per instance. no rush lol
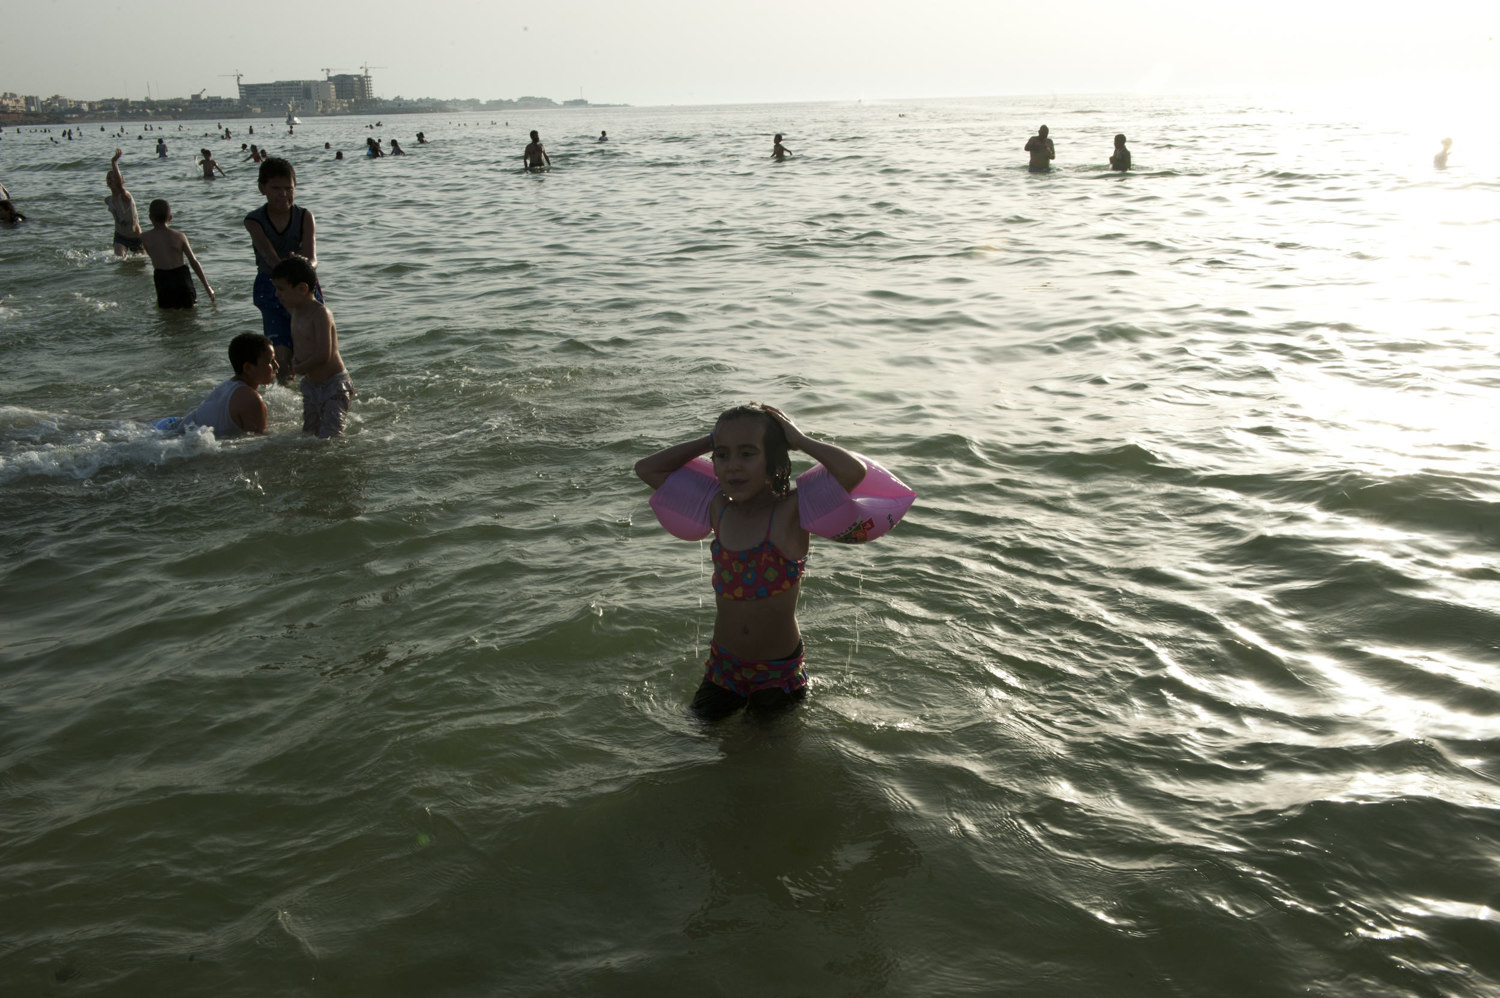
(351, 86)
(283, 92)
(344, 93)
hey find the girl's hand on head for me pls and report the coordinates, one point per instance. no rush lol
(794, 437)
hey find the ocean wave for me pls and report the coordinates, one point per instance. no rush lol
(42, 445)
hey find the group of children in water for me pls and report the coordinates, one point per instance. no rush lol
(760, 521)
(762, 524)
(300, 336)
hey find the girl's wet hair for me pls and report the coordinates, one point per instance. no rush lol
(778, 456)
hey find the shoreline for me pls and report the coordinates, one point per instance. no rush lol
(39, 118)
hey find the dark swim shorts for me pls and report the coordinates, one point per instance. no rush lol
(174, 288)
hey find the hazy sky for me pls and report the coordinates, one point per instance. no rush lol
(705, 52)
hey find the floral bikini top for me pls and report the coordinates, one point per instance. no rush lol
(755, 573)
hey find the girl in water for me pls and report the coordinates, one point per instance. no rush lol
(761, 528)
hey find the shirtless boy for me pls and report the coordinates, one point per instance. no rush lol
(209, 164)
(122, 206)
(171, 254)
(326, 387)
(536, 154)
(1042, 151)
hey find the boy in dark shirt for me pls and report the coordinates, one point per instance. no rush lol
(279, 229)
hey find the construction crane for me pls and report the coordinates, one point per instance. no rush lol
(328, 71)
(369, 89)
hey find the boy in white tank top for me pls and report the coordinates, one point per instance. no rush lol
(235, 406)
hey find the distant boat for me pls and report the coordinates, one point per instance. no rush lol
(291, 119)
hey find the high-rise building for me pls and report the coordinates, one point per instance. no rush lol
(352, 86)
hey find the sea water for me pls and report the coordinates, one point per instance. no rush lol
(1178, 679)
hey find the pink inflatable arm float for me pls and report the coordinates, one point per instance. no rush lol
(681, 504)
(875, 505)
(871, 509)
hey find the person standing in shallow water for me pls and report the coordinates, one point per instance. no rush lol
(171, 254)
(535, 156)
(1042, 151)
(760, 545)
(279, 229)
(1120, 158)
(209, 165)
(779, 152)
(1441, 159)
(122, 207)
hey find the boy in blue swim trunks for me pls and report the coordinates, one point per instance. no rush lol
(279, 229)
